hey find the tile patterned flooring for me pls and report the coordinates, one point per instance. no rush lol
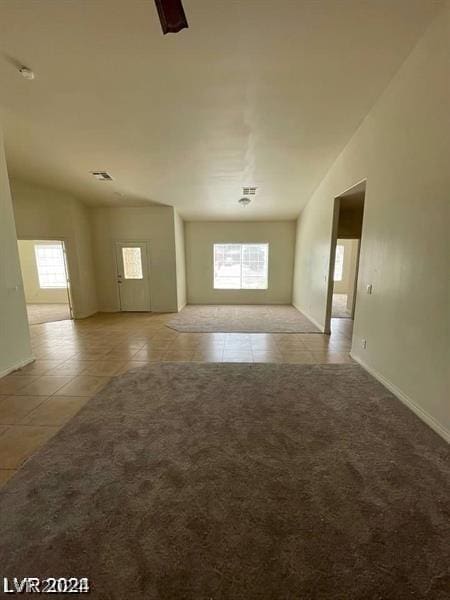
(75, 359)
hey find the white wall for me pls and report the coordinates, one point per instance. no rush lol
(200, 237)
(402, 148)
(181, 260)
(34, 294)
(86, 281)
(43, 213)
(15, 348)
(154, 224)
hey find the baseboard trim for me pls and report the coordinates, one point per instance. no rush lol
(19, 365)
(406, 400)
(312, 319)
(84, 315)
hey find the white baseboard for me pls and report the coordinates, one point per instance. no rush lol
(422, 414)
(164, 309)
(19, 365)
(312, 319)
(154, 309)
(84, 315)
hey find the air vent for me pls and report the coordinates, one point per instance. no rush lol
(102, 175)
(249, 191)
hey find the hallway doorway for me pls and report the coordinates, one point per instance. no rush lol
(344, 278)
(344, 255)
(45, 280)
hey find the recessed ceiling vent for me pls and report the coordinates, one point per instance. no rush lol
(102, 175)
(249, 191)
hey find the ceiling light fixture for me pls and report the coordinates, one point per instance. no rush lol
(26, 73)
(244, 201)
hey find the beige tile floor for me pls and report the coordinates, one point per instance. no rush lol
(75, 359)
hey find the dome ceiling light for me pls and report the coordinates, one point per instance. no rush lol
(26, 73)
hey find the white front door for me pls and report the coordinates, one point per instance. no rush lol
(133, 276)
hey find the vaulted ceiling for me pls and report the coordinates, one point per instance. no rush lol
(263, 93)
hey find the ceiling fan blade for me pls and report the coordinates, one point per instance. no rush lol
(171, 14)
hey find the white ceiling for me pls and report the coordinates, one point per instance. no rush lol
(255, 92)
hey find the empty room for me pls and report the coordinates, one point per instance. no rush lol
(224, 299)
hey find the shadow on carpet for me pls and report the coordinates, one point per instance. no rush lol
(243, 318)
(236, 481)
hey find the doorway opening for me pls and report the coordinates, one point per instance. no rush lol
(344, 258)
(133, 276)
(46, 280)
(344, 278)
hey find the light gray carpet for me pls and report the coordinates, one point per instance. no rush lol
(47, 313)
(244, 318)
(236, 482)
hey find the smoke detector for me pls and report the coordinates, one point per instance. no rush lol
(26, 73)
(244, 201)
(102, 175)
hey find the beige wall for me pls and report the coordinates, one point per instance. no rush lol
(86, 280)
(402, 148)
(34, 294)
(15, 348)
(200, 237)
(181, 260)
(152, 224)
(43, 213)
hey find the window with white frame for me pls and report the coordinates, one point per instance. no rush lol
(339, 263)
(241, 266)
(50, 266)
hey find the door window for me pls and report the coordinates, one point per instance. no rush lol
(132, 263)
